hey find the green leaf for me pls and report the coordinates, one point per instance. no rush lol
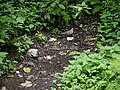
(118, 33)
(47, 16)
(61, 6)
(22, 1)
(97, 8)
(78, 72)
(1, 61)
(3, 54)
(2, 41)
(20, 19)
(31, 26)
(54, 81)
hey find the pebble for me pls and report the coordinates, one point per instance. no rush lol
(40, 58)
(52, 39)
(4, 88)
(30, 77)
(81, 25)
(70, 38)
(27, 84)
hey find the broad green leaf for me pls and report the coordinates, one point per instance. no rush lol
(20, 19)
(31, 26)
(3, 54)
(27, 29)
(72, 62)
(78, 72)
(118, 33)
(2, 41)
(1, 61)
(61, 6)
(47, 16)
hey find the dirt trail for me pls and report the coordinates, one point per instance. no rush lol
(53, 56)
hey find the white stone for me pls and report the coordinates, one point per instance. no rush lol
(17, 72)
(32, 52)
(52, 39)
(70, 38)
(20, 75)
(81, 25)
(4, 88)
(27, 84)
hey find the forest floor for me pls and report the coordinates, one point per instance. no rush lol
(53, 57)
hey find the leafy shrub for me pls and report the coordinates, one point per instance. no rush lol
(18, 18)
(79, 9)
(23, 43)
(109, 30)
(115, 67)
(6, 66)
(42, 38)
(91, 71)
(96, 5)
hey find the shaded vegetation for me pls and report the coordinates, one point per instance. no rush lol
(97, 70)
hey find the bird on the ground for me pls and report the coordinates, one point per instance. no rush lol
(67, 33)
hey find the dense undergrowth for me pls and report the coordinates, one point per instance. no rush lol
(20, 19)
(98, 70)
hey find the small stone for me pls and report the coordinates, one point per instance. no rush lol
(70, 38)
(27, 84)
(81, 25)
(10, 76)
(32, 52)
(49, 57)
(52, 39)
(4, 88)
(40, 58)
(50, 62)
(43, 72)
(46, 82)
(17, 72)
(21, 66)
(30, 77)
(76, 44)
(30, 63)
(62, 53)
(20, 75)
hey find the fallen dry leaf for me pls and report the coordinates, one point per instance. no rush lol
(26, 69)
(49, 57)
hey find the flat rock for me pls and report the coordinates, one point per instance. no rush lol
(32, 52)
